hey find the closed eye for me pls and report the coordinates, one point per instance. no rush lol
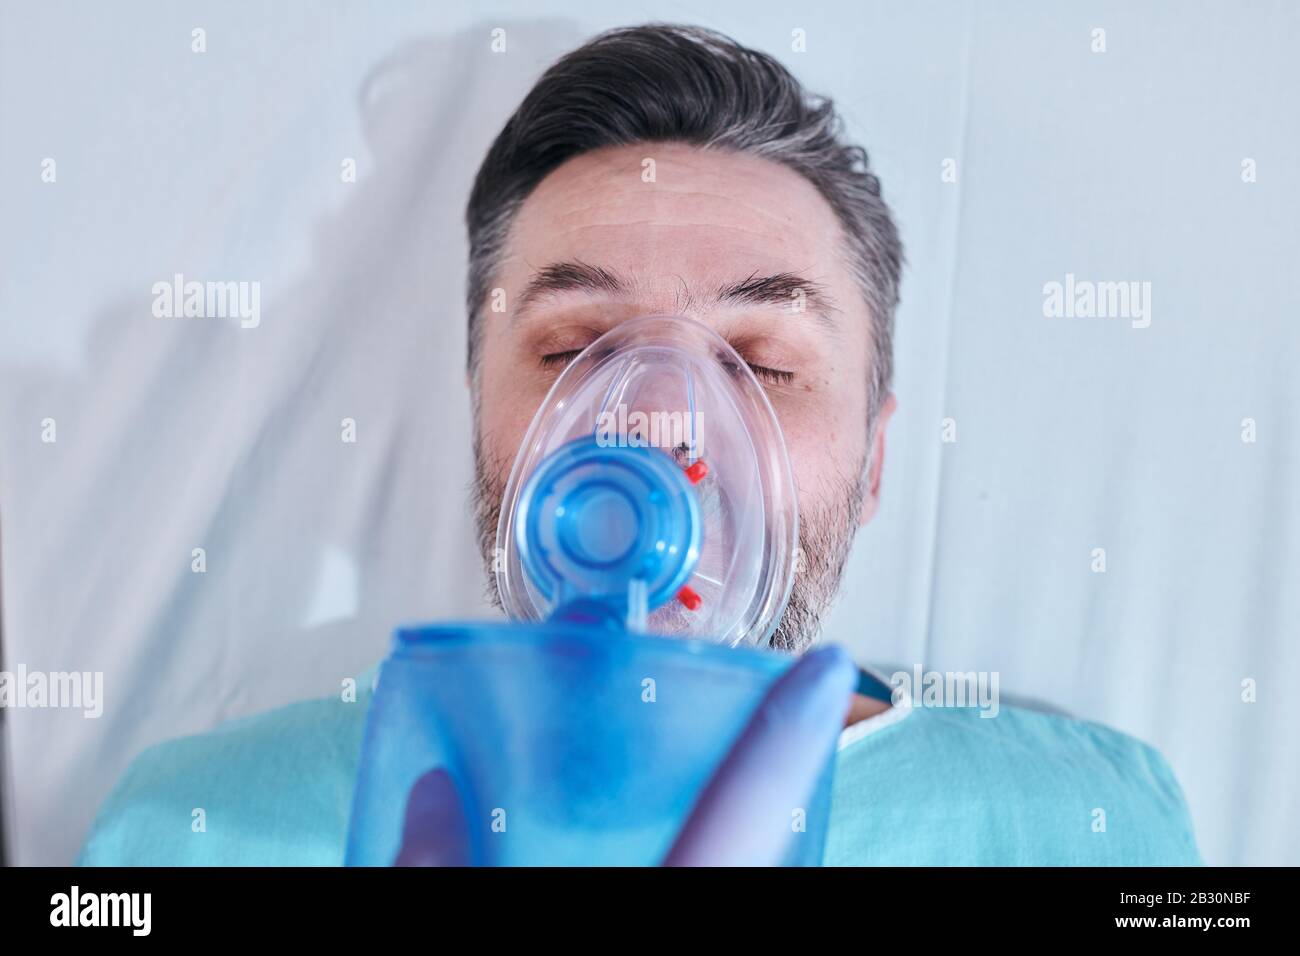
(559, 359)
(766, 375)
(769, 376)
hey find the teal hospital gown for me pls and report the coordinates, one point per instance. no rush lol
(913, 786)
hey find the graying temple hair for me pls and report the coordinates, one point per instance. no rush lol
(667, 83)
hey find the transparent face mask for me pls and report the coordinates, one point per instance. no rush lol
(653, 487)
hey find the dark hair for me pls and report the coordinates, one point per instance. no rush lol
(662, 82)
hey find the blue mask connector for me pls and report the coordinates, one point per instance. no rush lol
(608, 532)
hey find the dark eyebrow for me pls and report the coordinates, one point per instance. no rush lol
(780, 289)
(569, 277)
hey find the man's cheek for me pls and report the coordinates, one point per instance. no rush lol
(504, 421)
(824, 458)
(806, 435)
(804, 463)
(511, 393)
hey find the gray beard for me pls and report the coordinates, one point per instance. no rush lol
(826, 532)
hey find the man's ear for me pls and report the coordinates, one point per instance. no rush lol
(871, 500)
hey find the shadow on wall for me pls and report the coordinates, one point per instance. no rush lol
(197, 433)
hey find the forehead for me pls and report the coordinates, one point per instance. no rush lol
(680, 218)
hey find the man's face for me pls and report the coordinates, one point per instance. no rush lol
(710, 224)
